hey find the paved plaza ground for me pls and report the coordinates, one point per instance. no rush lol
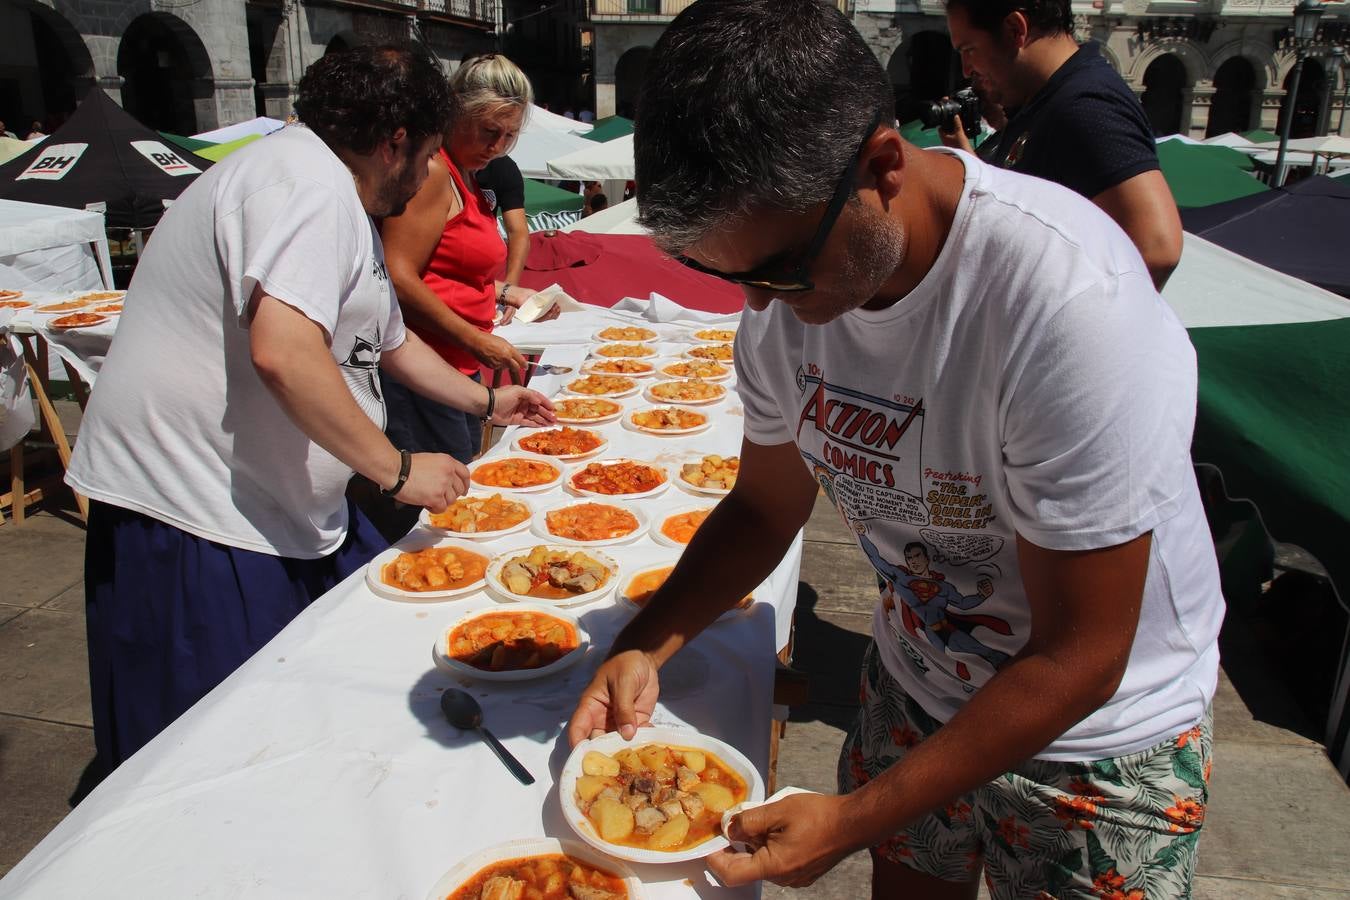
(1279, 816)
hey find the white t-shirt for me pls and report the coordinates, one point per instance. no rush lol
(180, 427)
(1034, 383)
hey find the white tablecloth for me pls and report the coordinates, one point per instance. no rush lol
(84, 348)
(323, 767)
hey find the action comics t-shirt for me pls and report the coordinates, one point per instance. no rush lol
(1034, 383)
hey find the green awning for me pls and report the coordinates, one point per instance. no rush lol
(217, 152)
(916, 134)
(1202, 174)
(609, 128)
(190, 144)
(1259, 136)
(545, 198)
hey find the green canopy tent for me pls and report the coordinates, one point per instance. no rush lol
(1271, 415)
(609, 128)
(916, 134)
(1260, 136)
(217, 152)
(545, 198)
(190, 144)
(1202, 174)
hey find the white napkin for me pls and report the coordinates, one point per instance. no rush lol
(659, 308)
(16, 406)
(541, 302)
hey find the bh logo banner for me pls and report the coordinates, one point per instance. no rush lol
(54, 162)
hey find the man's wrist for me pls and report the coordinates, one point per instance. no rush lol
(489, 403)
(392, 486)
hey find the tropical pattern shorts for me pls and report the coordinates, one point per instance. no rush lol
(1123, 828)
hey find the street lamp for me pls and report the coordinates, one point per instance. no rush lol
(1306, 16)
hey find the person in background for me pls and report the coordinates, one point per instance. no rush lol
(6, 132)
(1077, 122)
(445, 253)
(597, 203)
(35, 131)
(504, 187)
(241, 394)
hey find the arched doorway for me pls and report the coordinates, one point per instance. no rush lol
(1164, 81)
(934, 70)
(165, 70)
(46, 68)
(629, 73)
(1308, 107)
(1234, 91)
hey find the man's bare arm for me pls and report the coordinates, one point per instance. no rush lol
(517, 243)
(1143, 206)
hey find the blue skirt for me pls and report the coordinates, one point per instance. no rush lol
(170, 615)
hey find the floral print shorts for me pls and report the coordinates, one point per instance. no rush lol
(1123, 828)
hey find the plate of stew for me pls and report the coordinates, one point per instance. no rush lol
(546, 866)
(511, 643)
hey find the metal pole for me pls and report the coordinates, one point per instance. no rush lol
(1292, 97)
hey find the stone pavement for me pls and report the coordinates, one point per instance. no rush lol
(1279, 822)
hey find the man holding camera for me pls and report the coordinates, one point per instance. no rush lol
(1076, 121)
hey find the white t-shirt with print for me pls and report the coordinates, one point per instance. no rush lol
(180, 427)
(1034, 383)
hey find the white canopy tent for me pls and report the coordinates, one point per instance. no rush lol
(52, 248)
(262, 125)
(542, 118)
(621, 218)
(537, 145)
(610, 161)
(1231, 139)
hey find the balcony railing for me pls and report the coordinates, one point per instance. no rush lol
(475, 10)
(657, 10)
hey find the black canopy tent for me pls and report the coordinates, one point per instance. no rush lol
(103, 155)
(1298, 230)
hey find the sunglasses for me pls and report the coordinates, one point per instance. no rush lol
(798, 281)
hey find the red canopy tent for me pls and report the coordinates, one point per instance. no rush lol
(604, 268)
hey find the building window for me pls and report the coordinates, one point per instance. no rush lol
(646, 7)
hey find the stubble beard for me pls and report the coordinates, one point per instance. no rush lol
(876, 248)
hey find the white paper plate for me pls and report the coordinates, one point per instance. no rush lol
(630, 603)
(690, 354)
(441, 656)
(540, 526)
(612, 417)
(697, 457)
(694, 335)
(608, 395)
(654, 398)
(600, 337)
(424, 519)
(475, 862)
(566, 457)
(659, 520)
(666, 432)
(494, 572)
(659, 489)
(674, 377)
(591, 367)
(102, 318)
(674, 737)
(411, 544)
(479, 487)
(636, 346)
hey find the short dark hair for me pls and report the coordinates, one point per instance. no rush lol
(1044, 16)
(361, 96)
(599, 202)
(915, 545)
(750, 105)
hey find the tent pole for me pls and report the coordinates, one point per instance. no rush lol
(1292, 99)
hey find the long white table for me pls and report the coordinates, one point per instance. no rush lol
(323, 766)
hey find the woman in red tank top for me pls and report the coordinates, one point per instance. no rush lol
(445, 255)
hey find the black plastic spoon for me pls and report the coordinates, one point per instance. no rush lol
(463, 712)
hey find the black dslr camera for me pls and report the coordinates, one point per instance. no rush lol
(943, 113)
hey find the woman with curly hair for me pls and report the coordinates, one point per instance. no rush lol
(444, 254)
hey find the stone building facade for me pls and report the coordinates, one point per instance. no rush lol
(1200, 66)
(188, 66)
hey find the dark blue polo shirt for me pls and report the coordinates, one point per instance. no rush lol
(1084, 129)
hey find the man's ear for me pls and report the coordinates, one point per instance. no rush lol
(882, 167)
(396, 146)
(1016, 29)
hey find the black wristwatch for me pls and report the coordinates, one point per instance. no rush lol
(492, 402)
(404, 467)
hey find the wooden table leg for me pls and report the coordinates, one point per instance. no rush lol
(16, 491)
(58, 434)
